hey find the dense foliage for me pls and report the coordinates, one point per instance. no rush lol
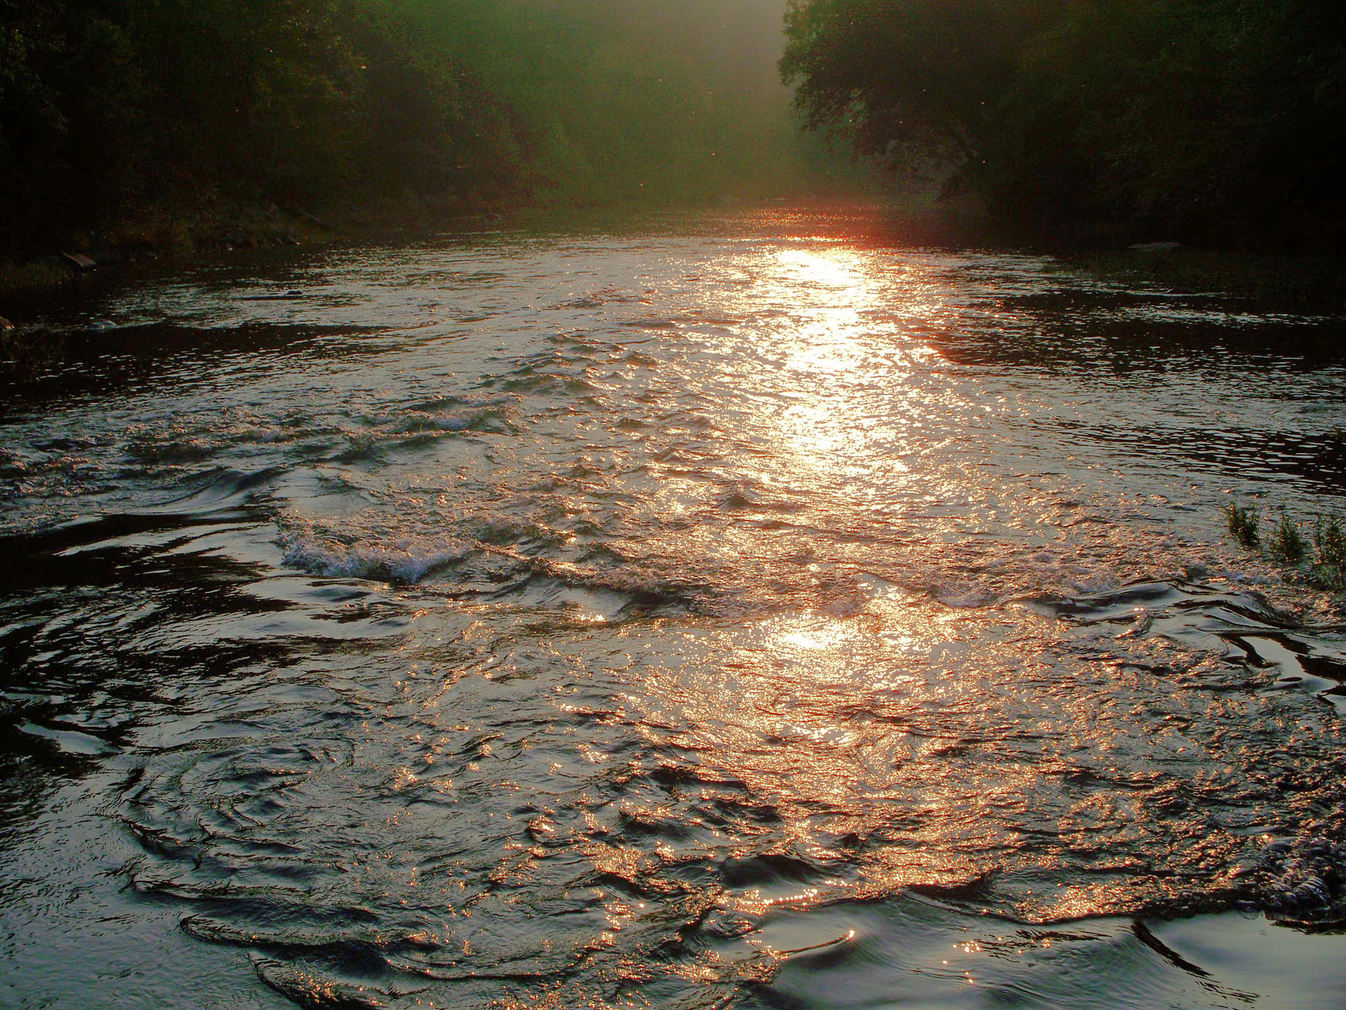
(1201, 120)
(108, 107)
(112, 108)
(1205, 120)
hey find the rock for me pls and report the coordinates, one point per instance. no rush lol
(78, 262)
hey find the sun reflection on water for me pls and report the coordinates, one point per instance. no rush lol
(837, 425)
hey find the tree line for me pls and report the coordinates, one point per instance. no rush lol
(1215, 121)
(110, 107)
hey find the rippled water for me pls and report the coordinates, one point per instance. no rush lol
(749, 613)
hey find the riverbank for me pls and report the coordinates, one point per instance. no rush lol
(181, 232)
(173, 234)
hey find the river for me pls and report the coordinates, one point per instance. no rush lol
(744, 611)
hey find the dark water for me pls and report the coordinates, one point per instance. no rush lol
(744, 614)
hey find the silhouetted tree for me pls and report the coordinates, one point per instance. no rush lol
(1210, 120)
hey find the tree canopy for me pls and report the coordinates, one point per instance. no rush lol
(1206, 120)
(110, 107)
(107, 106)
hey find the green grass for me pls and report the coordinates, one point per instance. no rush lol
(1243, 524)
(23, 279)
(1320, 560)
(1286, 543)
(1329, 552)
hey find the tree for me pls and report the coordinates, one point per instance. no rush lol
(1204, 120)
(911, 80)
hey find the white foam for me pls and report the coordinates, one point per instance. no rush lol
(406, 560)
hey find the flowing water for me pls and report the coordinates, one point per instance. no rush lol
(744, 613)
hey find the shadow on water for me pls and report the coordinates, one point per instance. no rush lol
(84, 660)
(1100, 329)
(59, 364)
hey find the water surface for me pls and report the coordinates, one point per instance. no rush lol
(746, 613)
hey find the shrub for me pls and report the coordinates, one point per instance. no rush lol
(1243, 524)
(1287, 543)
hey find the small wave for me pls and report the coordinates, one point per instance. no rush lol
(407, 560)
(644, 590)
(479, 419)
(448, 414)
(603, 296)
(172, 450)
(515, 563)
(69, 741)
(1303, 881)
(309, 989)
(550, 382)
(219, 488)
